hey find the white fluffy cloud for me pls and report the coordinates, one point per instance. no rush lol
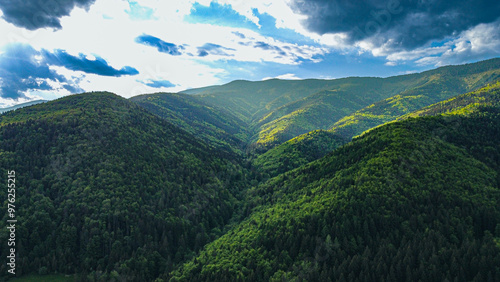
(286, 76)
(108, 31)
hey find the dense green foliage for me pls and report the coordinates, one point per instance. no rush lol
(161, 188)
(465, 104)
(317, 111)
(108, 190)
(251, 100)
(438, 85)
(280, 110)
(209, 123)
(298, 151)
(45, 278)
(409, 201)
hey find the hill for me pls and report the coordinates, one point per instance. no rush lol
(440, 84)
(109, 191)
(251, 100)
(465, 104)
(298, 151)
(214, 125)
(279, 110)
(411, 200)
(163, 187)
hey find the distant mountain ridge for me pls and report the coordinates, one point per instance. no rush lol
(30, 103)
(212, 124)
(278, 110)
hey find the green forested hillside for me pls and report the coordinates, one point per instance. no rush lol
(408, 201)
(317, 111)
(465, 104)
(281, 110)
(209, 123)
(297, 152)
(440, 84)
(109, 191)
(220, 184)
(251, 100)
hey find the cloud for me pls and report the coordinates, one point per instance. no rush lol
(257, 48)
(158, 83)
(35, 14)
(478, 43)
(239, 34)
(138, 12)
(262, 23)
(266, 46)
(213, 49)
(218, 14)
(286, 76)
(98, 66)
(400, 25)
(162, 46)
(23, 69)
(246, 49)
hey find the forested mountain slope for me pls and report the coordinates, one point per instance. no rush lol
(216, 126)
(215, 184)
(108, 190)
(297, 152)
(281, 110)
(251, 100)
(412, 200)
(465, 104)
(443, 83)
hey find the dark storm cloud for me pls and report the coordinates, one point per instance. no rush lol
(22, 68)
(98, 66)
(406, 24)
(213, 49)
(35, 14)
(162, 46)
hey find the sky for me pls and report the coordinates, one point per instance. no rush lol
(53, 48)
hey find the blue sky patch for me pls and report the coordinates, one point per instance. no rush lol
(224, 15)
(138, 12)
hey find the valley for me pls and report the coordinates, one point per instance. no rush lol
(351, 179)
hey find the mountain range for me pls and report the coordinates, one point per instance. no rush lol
(351, 179)
(22, 105)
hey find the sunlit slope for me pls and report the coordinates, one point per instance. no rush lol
(465, 104)
(280, 110)
(442, 84)
(251, 100)
(412, 200)
(297, 152)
